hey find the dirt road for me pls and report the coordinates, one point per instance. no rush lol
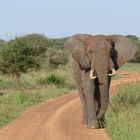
(58, 119)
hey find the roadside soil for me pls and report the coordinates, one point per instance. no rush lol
(59, 118)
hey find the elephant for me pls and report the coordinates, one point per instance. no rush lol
(94, 59)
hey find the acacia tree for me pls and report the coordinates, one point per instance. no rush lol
(18, 57)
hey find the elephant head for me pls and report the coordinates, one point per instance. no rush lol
(95, 53)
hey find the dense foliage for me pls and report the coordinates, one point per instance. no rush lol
(56, 54)
(2, 43)
(56, 43)
(19, 57)
(56, 57)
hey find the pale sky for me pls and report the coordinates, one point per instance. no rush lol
(60, 18)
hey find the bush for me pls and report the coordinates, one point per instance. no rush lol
(56, 43)
(56, 57)
(2, 43)
(36, 40)
(53, 79)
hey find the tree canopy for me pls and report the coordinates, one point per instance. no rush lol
(21, 55)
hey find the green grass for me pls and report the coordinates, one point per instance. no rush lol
(117, 76)
(35, 87)
(123, 114)
(12, 104)
(134, 67)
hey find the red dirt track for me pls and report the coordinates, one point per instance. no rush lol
(58, 119)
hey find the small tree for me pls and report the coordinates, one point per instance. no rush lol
(18, 57)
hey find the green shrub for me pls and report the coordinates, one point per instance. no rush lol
(35, 40)
(2, 43)
(56, 57)
(53, 79)
(56, 43)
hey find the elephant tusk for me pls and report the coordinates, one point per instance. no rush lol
(94, 77)
(91, 74)
(113, 72)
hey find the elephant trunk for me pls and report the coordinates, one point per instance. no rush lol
(102, 75)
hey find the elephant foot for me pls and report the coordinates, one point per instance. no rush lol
(101, 123)
(92, 124)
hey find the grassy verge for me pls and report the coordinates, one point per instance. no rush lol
(123, 115)
(36, 87)
(132, 67)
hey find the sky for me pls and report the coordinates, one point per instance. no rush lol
(61, 18)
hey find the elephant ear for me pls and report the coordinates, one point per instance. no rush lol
(77, 47)
(122, 50)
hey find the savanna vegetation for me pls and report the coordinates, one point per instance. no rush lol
(123, 114)
(35, 68)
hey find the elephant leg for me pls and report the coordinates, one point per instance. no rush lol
(76, 71)
(98, 103)
(97, 96)
(102, 120)
(89, 91)
(84, 104)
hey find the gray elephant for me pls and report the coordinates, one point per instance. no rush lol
(94, 59)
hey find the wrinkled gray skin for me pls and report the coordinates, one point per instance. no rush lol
(95, 52)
